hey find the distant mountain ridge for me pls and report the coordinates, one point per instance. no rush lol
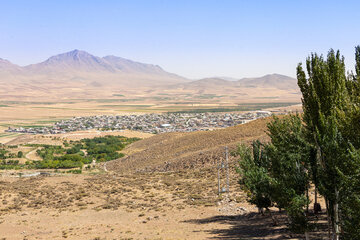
(132, 66)
(72, 61)
(8, 67)
(79, 64)
(271, 80)
(78, 61)
(79, 74)
(267, 81)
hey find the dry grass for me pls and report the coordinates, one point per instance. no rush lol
(177, 151)
(172, 205)
(150, 191)
(149, 198)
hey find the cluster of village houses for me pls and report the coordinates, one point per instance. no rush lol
(149, 123)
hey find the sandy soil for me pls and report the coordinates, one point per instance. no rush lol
(177, 205)
(105, 206)
(33, 156)
(108, 224)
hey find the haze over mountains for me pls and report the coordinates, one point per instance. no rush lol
(79, 73)
(271, 80)
(82, 65)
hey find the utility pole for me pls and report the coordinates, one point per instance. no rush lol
(218, 173)
(223, 169)
(227, 169)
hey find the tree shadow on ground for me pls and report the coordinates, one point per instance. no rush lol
(256, 226)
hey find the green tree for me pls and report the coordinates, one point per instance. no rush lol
(276, 173)
(331, 113)
(289, 155)
(20, 154)
(254, 175)
(325, 150)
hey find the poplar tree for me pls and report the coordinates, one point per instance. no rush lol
(326, 104)
(321, 147)
(350, 199)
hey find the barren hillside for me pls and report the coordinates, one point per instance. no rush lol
(176, 151)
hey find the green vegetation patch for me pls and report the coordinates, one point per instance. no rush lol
(7, 160)
(82, 152)
(209, 96)
(73, 154)
(161, 98)
(266, 97)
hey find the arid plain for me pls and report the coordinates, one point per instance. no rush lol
(136, 197)
(165, 187)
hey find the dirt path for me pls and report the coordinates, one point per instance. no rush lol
(32, 155)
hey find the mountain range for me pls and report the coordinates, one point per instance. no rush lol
(84, 66)
(270, 80)
(81, 61)
(78, 70)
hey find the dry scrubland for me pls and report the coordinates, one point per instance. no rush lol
(174, 205)
(166, 186)
(174, 151)
(127, 202)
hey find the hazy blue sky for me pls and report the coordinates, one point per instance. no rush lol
(191, 38)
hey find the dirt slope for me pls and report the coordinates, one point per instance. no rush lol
(175, 151)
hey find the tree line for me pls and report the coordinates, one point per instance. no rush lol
(319, 149)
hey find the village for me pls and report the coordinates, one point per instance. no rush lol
(148, 123)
